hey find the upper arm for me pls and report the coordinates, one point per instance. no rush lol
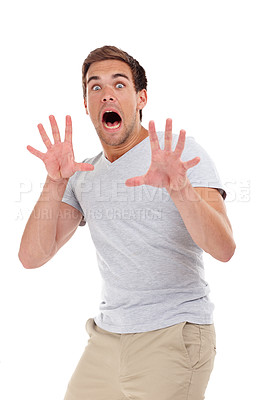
(68, 221)
(213, 197)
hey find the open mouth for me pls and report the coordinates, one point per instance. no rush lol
(111, 120)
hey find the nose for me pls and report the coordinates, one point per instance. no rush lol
(108, 96)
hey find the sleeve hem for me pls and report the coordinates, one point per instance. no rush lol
(212, 186)
(70, 202)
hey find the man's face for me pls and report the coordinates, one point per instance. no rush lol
(112, 101)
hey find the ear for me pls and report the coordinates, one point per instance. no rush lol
(142, 99)
(86, 107)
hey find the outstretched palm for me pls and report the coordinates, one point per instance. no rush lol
(166, 169)
(59, 158)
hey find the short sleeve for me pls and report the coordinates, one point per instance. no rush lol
(204, 174)
(70, 198)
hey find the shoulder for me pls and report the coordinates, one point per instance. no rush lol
(189, 144)
(192, 147)
(82, 174)
(190, 141)
(93, 160)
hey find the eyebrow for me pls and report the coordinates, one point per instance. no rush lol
(97, 78)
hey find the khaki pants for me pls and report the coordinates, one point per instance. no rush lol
(172, 363)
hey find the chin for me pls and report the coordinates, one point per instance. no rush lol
(114, 139)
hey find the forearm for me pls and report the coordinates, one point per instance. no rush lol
(209, 229)
(38, 240)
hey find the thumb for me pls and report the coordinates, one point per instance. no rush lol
(136, 181)
(83, 167)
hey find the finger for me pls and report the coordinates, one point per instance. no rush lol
(153, 137)
(136, 181)
(191, 163)
(83, 167)
(44, 136)
(180, 143)
(168, 135)
(55, 129)
(68, 134)
(35, 152)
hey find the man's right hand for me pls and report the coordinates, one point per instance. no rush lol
(59, 158)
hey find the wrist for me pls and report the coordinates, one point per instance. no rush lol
(57, 181)
(179, 191)
(186, 193)
(54, 190)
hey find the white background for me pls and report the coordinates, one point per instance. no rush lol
(205, 62)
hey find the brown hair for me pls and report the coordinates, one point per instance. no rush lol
(113, 53)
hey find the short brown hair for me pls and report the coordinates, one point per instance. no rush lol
(113, 53)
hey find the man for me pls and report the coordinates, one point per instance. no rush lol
(153, 203)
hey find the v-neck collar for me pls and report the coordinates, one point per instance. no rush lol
(128, 153)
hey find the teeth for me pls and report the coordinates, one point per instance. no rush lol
(113, 126)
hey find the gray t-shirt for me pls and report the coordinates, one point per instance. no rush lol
(152, 271)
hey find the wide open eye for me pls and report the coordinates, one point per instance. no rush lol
(96, 87)
(119, 85)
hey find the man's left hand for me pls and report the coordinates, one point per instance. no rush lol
(166, 169)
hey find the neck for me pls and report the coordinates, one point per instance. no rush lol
(112, 153)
